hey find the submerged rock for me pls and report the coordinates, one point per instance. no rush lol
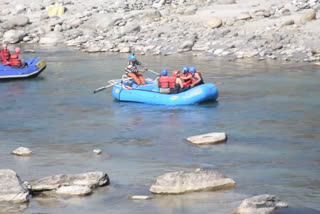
(11, 187)
(260, 204)
(210, 138)
(181, 182)
(22, 151)
(90, 179)
(74, 190)
(140, 197)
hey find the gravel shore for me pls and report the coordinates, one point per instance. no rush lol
(233, 29)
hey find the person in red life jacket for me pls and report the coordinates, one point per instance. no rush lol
(176, 82)
(133, 71)
(5, 55)
(164, 82)
(14, 60)
(196, 77)
(186, 77)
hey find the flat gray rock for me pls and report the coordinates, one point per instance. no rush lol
(11, 187)
(181, 182)
(210, 138)
(260, 204)
(90, 179)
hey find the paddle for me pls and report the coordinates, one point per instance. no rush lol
(112, 83)
(102, 88)
(154, 72)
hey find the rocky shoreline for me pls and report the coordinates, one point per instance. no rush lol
(279, 30)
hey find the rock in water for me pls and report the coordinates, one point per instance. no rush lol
(91, 179)
(74, 190)
(181, 182)
(11, 187)
(210, 138)
(22, 151)
(97, 151)
(260, 204)
(140, 197)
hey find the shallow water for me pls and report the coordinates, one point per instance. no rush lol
(270, 112)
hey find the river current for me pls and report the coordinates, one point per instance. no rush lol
(270, 111)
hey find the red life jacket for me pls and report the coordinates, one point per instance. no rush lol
(5, 56)
(164, 81)
(172, 82)
(15, 61)
(186, 83)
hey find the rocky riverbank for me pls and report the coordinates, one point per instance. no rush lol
(233, 29)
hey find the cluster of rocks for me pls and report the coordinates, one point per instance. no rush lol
(13, 190)
(153, 27)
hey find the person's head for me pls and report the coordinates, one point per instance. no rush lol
(132, 57)
(164, 72)
(176, 73)
(17, 50)
(185, 69)
(192, 69)
(4, 45)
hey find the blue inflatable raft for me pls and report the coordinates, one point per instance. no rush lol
(150, 94)
(35, 67)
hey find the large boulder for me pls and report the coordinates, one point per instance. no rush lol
(260, 204)
(11, 187)
(52, 38)
(181, 182)
(13, 36)
(18, 21)
(210, 138)
(90, 179)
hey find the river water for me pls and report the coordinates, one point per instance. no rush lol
(269, 110)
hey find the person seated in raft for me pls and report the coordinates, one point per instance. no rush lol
(5, 55)
(133, 71)
(178, 83)
(186, 77)
(14, 59)
(164, 82)
(196, 78)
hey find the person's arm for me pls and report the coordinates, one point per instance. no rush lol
(197, 76)
(141, 65)
(185, 78)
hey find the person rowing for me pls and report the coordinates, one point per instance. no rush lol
(133, 71)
